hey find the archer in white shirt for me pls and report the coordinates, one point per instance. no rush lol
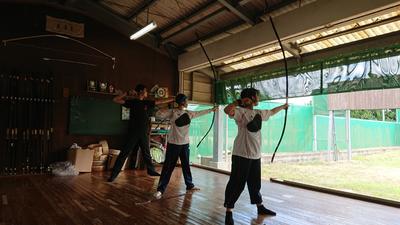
(246, 155)
(178, 143)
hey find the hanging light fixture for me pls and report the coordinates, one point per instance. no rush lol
(151, 26)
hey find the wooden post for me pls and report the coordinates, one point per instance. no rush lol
(181, 82)
(192, 87)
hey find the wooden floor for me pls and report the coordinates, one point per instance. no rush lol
(87, 199)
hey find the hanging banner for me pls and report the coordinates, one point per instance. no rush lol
(62, 26)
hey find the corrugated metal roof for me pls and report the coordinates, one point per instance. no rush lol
(375, 26)
(261, 60)
(253, 54)
(349, 27)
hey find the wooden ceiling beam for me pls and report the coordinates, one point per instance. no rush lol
(239, 11)
(194, 25)
(213, 34)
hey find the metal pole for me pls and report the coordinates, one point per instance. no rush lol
(348, 134)
(218, 138)
(330, 126)
(334, 146)
(315, 143)
(226, 137)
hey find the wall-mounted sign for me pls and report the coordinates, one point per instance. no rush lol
(62, 26)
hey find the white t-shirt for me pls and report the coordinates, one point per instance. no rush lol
(248, 144)
(179, 135)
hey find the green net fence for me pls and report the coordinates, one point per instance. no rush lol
(364, 133)
(303, 121)
(198, 129)
(371, 69)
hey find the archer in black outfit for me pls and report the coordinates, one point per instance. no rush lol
(139, 126)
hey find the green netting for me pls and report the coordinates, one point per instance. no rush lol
(198, 128)
(372, 69)
(299, 136)
(364, 133)
(320, 106)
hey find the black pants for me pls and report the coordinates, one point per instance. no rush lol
(243, 171)
(134, 141)
(173, 152)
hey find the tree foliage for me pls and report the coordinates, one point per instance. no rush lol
(390, 114)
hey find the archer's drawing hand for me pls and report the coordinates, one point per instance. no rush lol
(247, 101)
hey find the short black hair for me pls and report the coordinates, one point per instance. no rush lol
(139, 88)
(249, 93)
(180, 98)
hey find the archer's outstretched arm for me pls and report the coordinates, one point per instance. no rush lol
(196, 114)
(120, 99)
(164, 100)
(279, 108)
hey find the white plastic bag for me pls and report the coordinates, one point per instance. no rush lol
(63, 169)
(75, 146)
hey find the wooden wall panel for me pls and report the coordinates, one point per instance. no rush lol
(136, 63)
(202, 87)
(187, 85)
(373, 99)
(198, 87)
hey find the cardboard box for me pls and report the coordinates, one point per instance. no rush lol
(98, 151)
(82, 159)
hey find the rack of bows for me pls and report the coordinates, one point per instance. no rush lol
(26, 122)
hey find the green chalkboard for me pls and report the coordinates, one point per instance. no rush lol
(91, 116)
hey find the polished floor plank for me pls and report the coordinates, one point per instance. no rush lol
(89, 199)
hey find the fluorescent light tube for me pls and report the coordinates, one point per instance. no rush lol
(151, 26)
